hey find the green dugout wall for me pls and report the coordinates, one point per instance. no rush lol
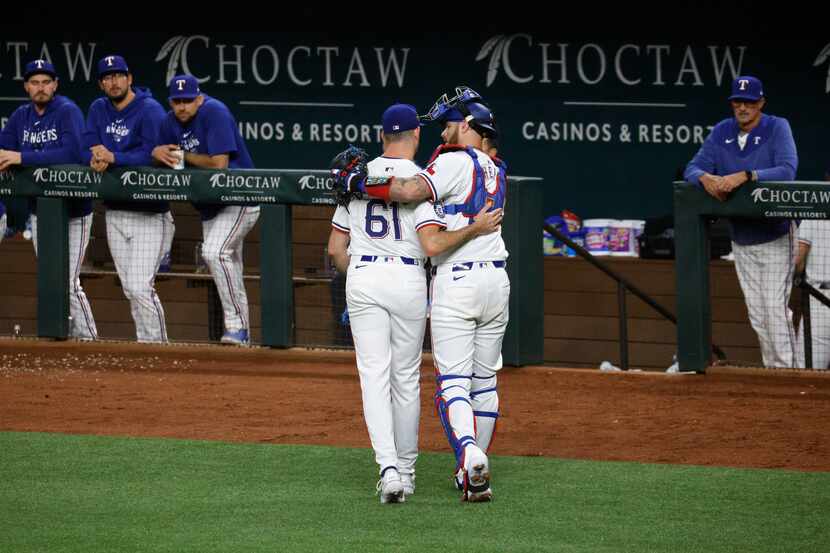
(692, 207)
(606, 122)
(275, 191)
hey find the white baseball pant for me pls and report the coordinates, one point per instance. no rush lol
(468, 319)
(136, 240)
(82, 325)
(765, 272)
(387, 304)
(224, 237)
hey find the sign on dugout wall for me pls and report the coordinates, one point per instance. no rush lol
(606, 124)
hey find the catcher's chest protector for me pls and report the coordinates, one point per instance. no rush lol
(480, 196)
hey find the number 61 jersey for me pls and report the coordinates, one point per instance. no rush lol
(378, 228)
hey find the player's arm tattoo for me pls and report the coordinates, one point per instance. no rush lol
(410, 189)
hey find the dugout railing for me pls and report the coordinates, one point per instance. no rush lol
(624, 287)
(275, 191)
(808, 291)
(693, 208)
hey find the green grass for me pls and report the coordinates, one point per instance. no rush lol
(82, 493)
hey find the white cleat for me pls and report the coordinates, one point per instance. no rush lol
(390, 487)
(458, 479)
(477, 478)
(408, 482)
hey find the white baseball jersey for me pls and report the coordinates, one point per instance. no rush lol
(376, 228)
(817, 235)
(451, 177)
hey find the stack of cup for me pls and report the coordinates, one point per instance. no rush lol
(597, 235)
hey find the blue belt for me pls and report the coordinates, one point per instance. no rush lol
(388, 259)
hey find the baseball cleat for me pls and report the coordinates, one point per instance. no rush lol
(236, 337)
(477, 476)
(390, 487)
(408, 482)
(458, 479)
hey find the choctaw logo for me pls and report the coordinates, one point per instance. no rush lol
(823, 56)
(494, 48)
(135, 178)
(316, 182)
(176, 49)
(765, 195)
(257, 182)
(61, 176)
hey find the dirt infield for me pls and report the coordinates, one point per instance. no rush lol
(725, 418)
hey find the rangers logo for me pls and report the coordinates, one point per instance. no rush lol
(439, 209)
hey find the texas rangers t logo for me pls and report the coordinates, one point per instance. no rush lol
(109, 60)
(744, 83)
(39, 63)
(180, 82)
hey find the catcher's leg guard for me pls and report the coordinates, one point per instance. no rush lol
(484, 398)
(453, 390)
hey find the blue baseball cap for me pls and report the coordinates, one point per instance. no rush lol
(185, 87)
(39, 66)
(399, 118)
(112, 64)
(747, 88)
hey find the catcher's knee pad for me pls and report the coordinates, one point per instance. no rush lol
(449, 390)
(484, 398)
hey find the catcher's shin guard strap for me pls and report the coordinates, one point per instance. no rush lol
(444, 416)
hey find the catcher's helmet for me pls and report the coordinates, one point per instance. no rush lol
(480, 118)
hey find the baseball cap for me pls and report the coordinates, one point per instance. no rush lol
(185, 87)
(747, 88)
(39, 66)
(112, 64)
(399, 118)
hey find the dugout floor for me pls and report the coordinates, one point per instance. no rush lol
(738, 417)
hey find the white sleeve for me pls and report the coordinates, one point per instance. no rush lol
(427, 214)
(445, 174)
(340, 221)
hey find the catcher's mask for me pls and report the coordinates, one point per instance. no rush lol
(442, 111)
(467, 105)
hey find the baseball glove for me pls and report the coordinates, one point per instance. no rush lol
(348, 169)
